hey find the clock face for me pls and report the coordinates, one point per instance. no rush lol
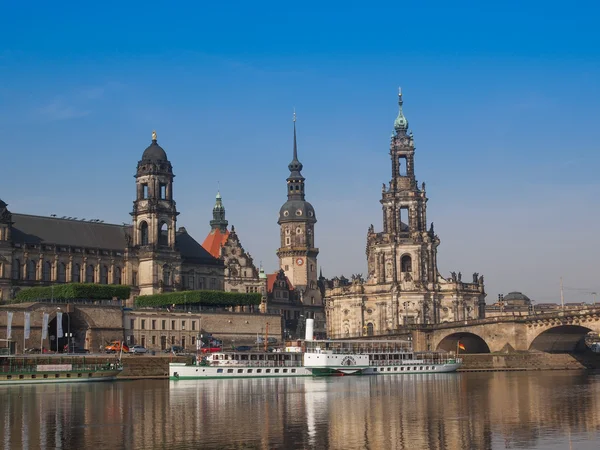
(299, 261)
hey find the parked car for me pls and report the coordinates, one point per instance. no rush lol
(211, 349)
(174, 349)
(243, 348)
(270, 340)
(138, 350)
(116, 346)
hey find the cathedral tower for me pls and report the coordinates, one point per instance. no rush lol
(297, 253)
(154, 220)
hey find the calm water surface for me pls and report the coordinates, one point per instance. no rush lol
(537, 410)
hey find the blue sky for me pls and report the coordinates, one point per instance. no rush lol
(502, 99)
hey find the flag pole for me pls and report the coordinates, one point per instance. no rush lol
(457, 347)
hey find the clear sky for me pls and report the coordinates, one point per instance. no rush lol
(503, 100)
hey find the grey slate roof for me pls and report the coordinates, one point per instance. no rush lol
(78, 233)
(75, 233)
(192, 252)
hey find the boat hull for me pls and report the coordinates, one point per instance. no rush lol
(180, 371)
(57, 377)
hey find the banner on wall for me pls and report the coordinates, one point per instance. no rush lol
(59, 330)
(27, 324)
(9, 325)
(45, 326)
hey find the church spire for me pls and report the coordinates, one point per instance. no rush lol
(400, 124)
(219, 215)
(295, 181)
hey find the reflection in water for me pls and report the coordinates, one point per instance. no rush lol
(443, 411)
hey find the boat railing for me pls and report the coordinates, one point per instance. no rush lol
(237, 363)
(32, 368)
(413, 362)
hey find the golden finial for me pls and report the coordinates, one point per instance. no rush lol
(153, 135)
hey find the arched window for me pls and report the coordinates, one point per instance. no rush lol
(369, 329)
(46, 271)
(166, 275)
(406, 263)
(16, 269)
(31, 268)
(61, 276)
(117, 276)
(89, 274)
(76, 273)
(143, 233)
(163, 235)
(104, 275)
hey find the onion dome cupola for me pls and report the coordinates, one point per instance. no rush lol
(219, 214)
(296, 208)
(401, 123)
(154, 160)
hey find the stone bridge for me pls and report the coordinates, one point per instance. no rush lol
(555, 331)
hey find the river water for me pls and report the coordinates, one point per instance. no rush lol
(519, 410)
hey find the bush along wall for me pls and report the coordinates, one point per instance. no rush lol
(73, 291)
(204, 298)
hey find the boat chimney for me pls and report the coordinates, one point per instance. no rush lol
(310, 324)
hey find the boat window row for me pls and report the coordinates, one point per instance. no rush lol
(404, 369)
(256, 371)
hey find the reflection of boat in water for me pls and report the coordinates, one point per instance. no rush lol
(319, 358)
(28, 370)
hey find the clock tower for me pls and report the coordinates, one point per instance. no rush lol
(297, 252)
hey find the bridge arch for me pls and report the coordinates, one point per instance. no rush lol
(472, 343)
(561, 339)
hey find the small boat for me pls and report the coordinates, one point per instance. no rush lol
(28, 370)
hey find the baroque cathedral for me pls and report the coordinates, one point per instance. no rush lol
(151, 255)
(403, 285)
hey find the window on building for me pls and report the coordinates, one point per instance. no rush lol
(31, 269)
(117, 276)
(183, 341)
(312, 300)
(131, 324)
(143, 341)
(144, 190)
(134, 279)
(193, 325)
(153, 340)
(369, 329)
(89, 274)
(213, 283)
(61, 276)
(164, 324)
(16, 270)
(163, 235)
(143, 233)
(76, 273)
(153, 324)
(312, 267)
(191, 282)
(104, 275)
(183, 324)
(172, 340)
(172, 324)
(288, 241)
(287, 267)
(200, 282)
(47, 271)
(166, 275)
(163, 191)
(143, 326)
(406, 263)
(193, 340)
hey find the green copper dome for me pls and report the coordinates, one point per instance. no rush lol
(400, 124)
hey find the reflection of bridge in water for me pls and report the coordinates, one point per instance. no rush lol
(554, 331)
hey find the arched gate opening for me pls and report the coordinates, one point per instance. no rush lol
(471, 343)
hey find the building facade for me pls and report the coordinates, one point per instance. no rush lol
(241, 274)
(403, 285)
(297, 252)
(152, 255)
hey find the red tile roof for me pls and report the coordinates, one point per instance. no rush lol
(271, 277)
(214, 241)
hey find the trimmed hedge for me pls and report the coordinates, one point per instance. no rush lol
(73, 291)
(205, 298)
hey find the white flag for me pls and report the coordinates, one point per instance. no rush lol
(9, 325)
(27, 324)
(59, 330)
(45, 326)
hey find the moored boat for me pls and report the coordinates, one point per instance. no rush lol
(28, 370)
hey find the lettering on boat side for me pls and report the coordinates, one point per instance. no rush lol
(348, 361)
